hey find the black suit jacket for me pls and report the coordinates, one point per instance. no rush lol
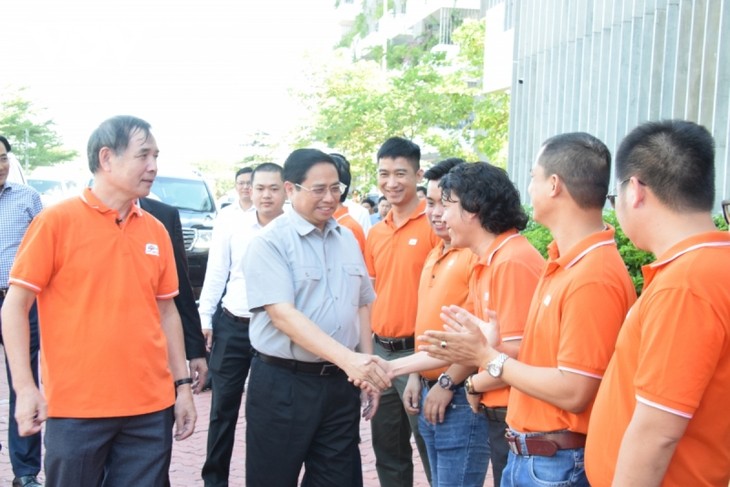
(185, 301)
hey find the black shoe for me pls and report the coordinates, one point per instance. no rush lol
(26, 481)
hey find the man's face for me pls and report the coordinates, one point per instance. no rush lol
(133, 171)
(383, 208)
(243, 187)
(397, 180)
(435, 211)
(268, 194)
(457, 222)
(4, 164)
(316, 209)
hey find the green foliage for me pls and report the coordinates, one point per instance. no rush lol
(635, 259)
(719, 222)
(18, 117)
(436, 101)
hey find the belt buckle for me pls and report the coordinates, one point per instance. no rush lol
(325, 369)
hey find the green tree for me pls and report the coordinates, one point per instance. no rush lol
(33, 138)
(431, 97)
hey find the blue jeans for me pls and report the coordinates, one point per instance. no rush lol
(458, 448)
(564, 469)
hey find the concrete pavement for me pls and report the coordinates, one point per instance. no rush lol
(188, 455)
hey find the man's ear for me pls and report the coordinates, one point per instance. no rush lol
(556, 185)
(105, 158)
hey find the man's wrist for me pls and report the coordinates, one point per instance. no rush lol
(182, 382)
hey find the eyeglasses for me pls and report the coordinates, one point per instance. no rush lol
(726, 211)
(612, 197)
(321, 191)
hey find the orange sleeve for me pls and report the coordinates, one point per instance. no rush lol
(512, 286)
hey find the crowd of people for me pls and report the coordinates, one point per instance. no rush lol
(439, 322)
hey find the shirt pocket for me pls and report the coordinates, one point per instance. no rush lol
(307, 283)
(354, 274)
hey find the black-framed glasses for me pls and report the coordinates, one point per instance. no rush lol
(321, 191)
(612, 197)
(726, 210)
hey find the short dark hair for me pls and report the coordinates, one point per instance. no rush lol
(442, 168)
(487, 191)
(265, 167)
(382, 198)
(343, 168)
(115, 134)
(583, 163)
(399, 147)
(299, 162)
(369, 201)
(6, 144)
(675, 158)
(243, 170)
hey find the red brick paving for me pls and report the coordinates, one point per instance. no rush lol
(188, 455)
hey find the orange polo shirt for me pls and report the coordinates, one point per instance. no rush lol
(444, 281)
(395, 258)
(673, 354)
(574, 319)
(343, 217)
(504, 281)
(103, 351)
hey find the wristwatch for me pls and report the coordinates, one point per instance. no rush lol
(495, 366)
(446, 382)
(469, 386)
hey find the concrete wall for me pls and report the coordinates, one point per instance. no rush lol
(604, 66)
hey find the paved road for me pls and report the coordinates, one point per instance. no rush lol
(188, 455)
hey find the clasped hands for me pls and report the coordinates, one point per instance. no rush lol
(467, 340)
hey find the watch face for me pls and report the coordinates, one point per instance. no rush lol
(494, 370)
(445, 381)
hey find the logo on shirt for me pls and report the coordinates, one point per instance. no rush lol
(486, 296)
(547, 300)
(413, 242)
(151, 249)
(451, 263)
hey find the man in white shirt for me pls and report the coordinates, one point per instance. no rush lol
(230, 356)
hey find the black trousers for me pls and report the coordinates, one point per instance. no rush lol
(230, 359)
(295, 419)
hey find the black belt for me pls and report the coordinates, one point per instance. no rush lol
(3, 292)
(395, 344)
(494, 414)
(237, 319)
(544, 444)
(319, 368)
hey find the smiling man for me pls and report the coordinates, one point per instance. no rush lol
(113, 360)
(395, 252)
(310, 312)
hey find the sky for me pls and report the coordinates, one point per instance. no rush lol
(205, 73)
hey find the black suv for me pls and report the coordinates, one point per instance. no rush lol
(190, 194)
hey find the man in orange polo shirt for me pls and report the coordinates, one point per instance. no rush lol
(574, 318)
(394, 253)
(661, 414)
(445, 419)
(113, 360)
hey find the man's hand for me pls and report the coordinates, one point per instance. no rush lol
(199, 373)
(208, 335)
(370, 399)
(185, 415)
(362, 368)
(412, 395)
(30, 411)
(466, 344)
(475, 401)
(437, 400)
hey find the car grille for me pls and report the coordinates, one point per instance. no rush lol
(188, 237)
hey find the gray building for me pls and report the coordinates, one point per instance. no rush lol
(604, 66)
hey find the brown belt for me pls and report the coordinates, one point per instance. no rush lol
(544, 444)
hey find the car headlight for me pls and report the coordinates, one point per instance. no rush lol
(203, 238)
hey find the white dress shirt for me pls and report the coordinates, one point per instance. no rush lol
(232, 232)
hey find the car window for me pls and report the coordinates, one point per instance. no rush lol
(185, 194)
